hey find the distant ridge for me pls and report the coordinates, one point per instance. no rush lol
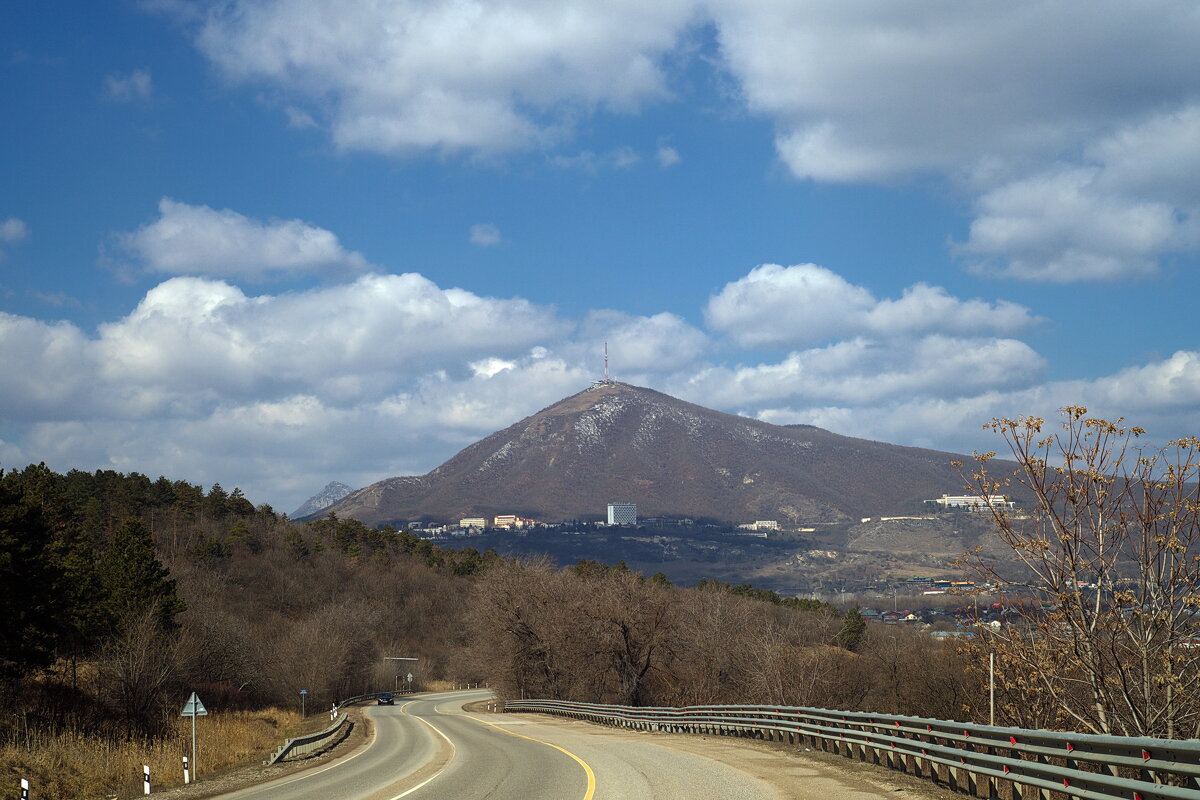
(616, 441)
(323, 499)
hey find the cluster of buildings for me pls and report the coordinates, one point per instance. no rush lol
(762, 525)
(626, 514)
(618, 514)
(927, 585)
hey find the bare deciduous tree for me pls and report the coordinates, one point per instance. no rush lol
(1109, 556)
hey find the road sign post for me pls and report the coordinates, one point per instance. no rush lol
(303, 694)
(193, 708)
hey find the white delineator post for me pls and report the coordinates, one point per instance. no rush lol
(187, 778)
(146, 778)
(24, 789)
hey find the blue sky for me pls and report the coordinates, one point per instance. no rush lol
(273, 243)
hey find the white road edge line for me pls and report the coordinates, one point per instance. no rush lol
(434, 776)
(303, 775)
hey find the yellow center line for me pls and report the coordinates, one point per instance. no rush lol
(591, 776)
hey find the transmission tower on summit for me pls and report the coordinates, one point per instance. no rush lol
(605, 380)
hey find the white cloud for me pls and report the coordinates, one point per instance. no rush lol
(453, 77)
(485, 234)
(47, 370)
(638, 346)
(13, 230)
(1160, 396)
(137, 85)
(667, 156)
(1021, 105)
(193, 342)
(776, 306)
(1064, 120)
(588, 161)
(391, 373)
(299, 118)
(1134, 200)
(198, 240)
(861, 372)
(870, 90)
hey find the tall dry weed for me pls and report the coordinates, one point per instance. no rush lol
(71, 765)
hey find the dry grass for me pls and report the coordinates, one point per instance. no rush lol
(72, 766)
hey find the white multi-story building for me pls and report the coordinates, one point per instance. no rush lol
(622, 514)
(472, 522)
(974, 503)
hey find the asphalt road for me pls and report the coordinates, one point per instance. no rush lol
(428, 748)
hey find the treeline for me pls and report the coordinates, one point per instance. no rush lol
(119, 595)
(598, 634)
(122, 594)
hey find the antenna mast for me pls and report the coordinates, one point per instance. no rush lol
(606, 362)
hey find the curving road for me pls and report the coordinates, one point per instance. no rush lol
(428, 748)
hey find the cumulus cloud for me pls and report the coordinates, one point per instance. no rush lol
(1047, 121)
(1160, 396)
(776, 306)
(47, 370)
(1133, 200)
(485, 234)
(198, 240)
(1023, 106)
(452, 77)
(638, 346)
(869, 90)
(858, 372)
(137, 85)
(392, 374)
(193, 341)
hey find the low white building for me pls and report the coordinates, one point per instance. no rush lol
(760, 525)
(973, 502)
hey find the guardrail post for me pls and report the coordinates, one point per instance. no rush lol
(1043, 794)
(993, 785)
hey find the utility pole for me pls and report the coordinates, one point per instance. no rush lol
(992, 688)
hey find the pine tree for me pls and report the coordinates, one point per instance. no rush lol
(853, 629)
(134, 579)
(30, 601)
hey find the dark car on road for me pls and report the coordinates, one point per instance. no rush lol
(386, 699)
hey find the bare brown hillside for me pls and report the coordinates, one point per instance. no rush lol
(619, 443)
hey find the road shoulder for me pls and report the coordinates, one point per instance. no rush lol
(793, 772)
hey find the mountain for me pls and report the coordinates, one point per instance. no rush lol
(619, 443)
(323, 499)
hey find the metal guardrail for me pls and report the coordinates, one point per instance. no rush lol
(359, 698)
(303, 745)
(962, 756)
